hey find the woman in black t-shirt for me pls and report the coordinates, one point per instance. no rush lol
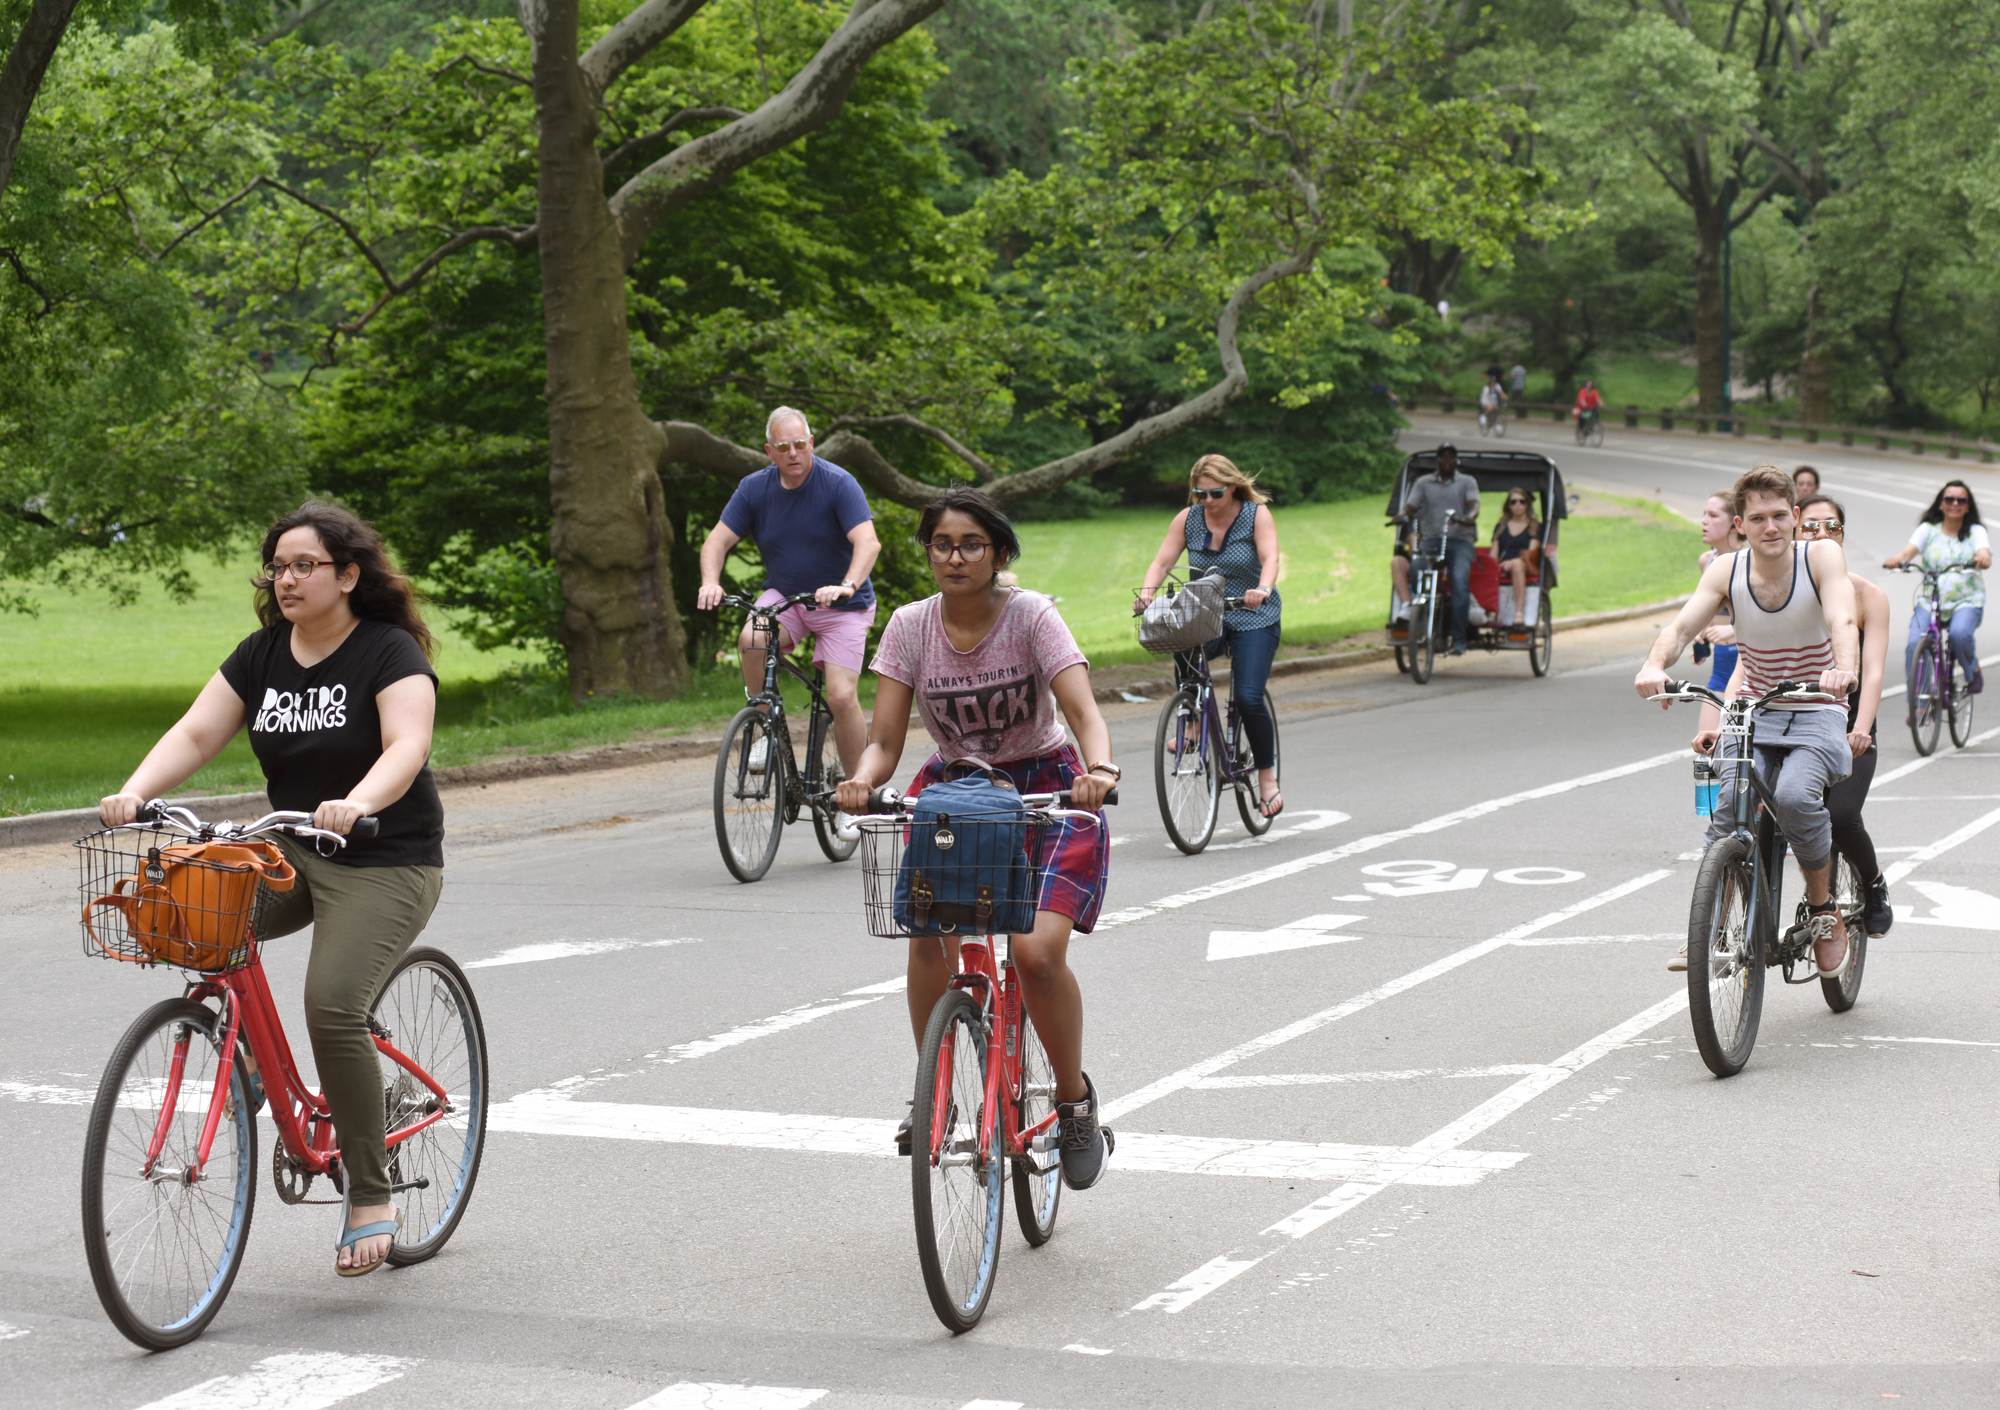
(339, 697)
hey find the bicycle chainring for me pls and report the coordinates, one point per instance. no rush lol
(293, 1181)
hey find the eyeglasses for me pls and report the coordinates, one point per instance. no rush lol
(803, 443)
(1512, 502)
(969, 552)
(1956, 499)
(299, 568)
(1819, 526)
(1209, 494)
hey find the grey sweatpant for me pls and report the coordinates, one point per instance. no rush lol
(1800, 755)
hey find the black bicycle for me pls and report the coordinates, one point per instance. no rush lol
(758, 784)
(1733, 924)
(1194, 755)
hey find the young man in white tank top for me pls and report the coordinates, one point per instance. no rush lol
(1794, 610)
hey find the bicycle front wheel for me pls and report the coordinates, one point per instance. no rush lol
(1038, 1174)
(1840, 994)
(1926, 706)
(1542, 637)
(1725, 959)
(1961, 705)
(826, 820)
(1184, 771)
(749, 789)
(1423, 647)
(432, 1019)
(1249, 793)
(955, 1164)
(163, 1239)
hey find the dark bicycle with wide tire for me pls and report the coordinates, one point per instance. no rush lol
(759, 786)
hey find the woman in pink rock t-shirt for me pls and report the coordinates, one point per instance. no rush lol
(986, 666)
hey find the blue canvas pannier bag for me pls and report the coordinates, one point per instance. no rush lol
(965, 868)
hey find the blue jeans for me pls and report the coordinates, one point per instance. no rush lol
(1959, 629)
(1251, 651)
(1458, 556)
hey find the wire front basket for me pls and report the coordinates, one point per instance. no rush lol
(955, 876)
(152, 896)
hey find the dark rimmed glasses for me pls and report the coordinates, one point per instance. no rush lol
(972, 551)
(299, 568)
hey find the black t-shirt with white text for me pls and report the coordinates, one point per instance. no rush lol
(317, 732)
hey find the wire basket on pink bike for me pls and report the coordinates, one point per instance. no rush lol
(154, 896)
(957, 876)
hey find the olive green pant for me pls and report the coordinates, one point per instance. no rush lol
(363, 919)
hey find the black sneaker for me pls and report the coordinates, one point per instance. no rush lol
(1086, 1147)
(1876, 914)
(903, 1135)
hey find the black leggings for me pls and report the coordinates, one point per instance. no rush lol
(1843, 806)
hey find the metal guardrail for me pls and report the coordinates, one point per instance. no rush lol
(1739, 423)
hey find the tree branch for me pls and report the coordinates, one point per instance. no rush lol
(487, 69)
(980, 466)
(21, 273)
(632, 38)
(815, 94)
(701, 450)
(646, 139)
(21, 76)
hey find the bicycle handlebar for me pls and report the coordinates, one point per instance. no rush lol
(772, 609)
(157, 813)
(1688, 690)
(887, 801)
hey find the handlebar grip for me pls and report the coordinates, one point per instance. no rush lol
(365, 828)
(1111, 797)
(152, 811)
(883, 800)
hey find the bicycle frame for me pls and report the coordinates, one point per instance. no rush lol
(819, 714)
(1938, 633)
(1213, 732)
(979, 975)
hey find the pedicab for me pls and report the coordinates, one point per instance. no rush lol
(1423, 633)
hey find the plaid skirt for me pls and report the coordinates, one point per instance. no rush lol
(1074, 857)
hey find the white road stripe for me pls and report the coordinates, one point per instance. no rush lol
(1180, 1295)
(992, 1405)
(1954, 1042)
(1898, 870)
(570, 949)
(762, 1028)
(297, 1381)
(1380, 839)
(1605, 939)
(1312, 1023)
(711, 1395)
(8, 1333)
(887, 986)
(1905, 770)
(1079, 1347)
(1315, 1079)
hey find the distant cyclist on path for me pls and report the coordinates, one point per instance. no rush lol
(1950, 537)
(1794, 611)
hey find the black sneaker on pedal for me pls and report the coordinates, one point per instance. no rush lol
(1876, 913)
(903, 1134)
(1085, 1146)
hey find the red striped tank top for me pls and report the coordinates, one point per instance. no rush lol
(1790, 644)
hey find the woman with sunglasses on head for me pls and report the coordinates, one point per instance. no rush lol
(1821, 517)
(1227, 529)
(987, 667)
(1517, 545)
(1950, 537)
(339, 696)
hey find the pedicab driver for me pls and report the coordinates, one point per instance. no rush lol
(815, 533)
(1794, 610)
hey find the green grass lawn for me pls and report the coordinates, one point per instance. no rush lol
(86, 688)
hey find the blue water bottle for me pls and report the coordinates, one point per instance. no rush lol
(1707, 787)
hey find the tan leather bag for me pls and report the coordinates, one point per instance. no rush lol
(191, 906)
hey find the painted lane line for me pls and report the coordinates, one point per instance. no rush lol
(1155, 1154)
(1932, 798)
(1603, 939)
(1898, 870)
(887, 986)
(1325, 818)
(298, 1381)
(1081, 1349)
(1408, 1074)
(1381, 839)
(8, 1333)
(1954, 1042)
(1312, 1023)
(571, 949)
(1905, 770)
(1179, 1296)
(711, 1395)
(992, 1405)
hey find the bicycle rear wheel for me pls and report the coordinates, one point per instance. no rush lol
(1423, 648)
(955, 1189)
(1186, 777)
(1926, 704)
(432, 1018)
(836, 847)
(1597, 431)
(747, 820)
(163, 1247)
(1249, 795)
(1038, 1175)
(1840, 994)
(1961, 705)
(1542, 637)
(1725, 959)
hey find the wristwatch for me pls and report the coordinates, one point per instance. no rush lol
(1109, 767)
(850, 585)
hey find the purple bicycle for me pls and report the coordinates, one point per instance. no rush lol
(1940, 689)
(1195, 755)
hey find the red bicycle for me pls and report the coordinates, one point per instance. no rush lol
(979, 1104)
(170, 1158)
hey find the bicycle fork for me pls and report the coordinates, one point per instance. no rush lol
(170, 1103)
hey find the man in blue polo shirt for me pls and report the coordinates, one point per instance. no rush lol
(813, 528)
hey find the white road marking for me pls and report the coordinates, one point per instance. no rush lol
(1079, 1347)
(1603, 939)
(570, 949)
(1953, 1042)
(297, 1381)
(1408, 1074)
(1898, 870)
(8, 1333)
(1905, 770)
(992, 1405)
(1959, 906)
(1181, 1295)
(762, 1028)
(1381, 839)
(1931, 798)
(1467, 879)
(47, 1096)
(1519, 876)
(1302, 1160)
(1312, 1023)
(1297, 935)
(887, 986)
(1315, 819)
(712, 1395)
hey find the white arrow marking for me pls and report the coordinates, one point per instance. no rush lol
(1299, 935)
(1959, 906)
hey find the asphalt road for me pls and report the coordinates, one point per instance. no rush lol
(1410, 1112)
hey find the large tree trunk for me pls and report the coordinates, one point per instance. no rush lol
(610, 536)
(42, 30)
(1816, 366)
(1709, 374)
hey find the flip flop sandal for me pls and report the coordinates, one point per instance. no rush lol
(350, 1237)
(1264, 805)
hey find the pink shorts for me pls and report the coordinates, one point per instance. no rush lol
(839, 638)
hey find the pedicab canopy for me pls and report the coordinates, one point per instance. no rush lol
(1496, 472)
